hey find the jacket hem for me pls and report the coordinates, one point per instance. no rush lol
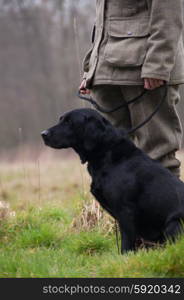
(129, 82)
(155, 75)
(176, 82)
(116, 82)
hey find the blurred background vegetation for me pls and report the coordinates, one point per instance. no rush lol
(42, 44)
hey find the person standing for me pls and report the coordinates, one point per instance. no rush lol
(138, 44)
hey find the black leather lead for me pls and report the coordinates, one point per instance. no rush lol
(131, 130)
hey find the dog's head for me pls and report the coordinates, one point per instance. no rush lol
(85, 130)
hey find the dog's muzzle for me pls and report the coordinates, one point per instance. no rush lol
(45, 135)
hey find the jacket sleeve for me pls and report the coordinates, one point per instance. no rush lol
(85, 64)
(166, 24)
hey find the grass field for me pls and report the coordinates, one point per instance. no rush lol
(51, 227)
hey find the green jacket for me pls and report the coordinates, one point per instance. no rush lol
(135, 39)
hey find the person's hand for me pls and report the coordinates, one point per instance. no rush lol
(82, 88)
(152, 83)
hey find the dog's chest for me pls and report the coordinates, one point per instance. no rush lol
(97, 189)
(98, 177)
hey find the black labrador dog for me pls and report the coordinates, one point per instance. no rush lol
(145, 198)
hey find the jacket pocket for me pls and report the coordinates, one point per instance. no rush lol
(127, 41)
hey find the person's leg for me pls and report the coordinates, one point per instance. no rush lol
(161, 137)
(109, 97)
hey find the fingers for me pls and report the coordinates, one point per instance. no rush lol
(82, 88)
(85, 92)
(147, 84)
(152, 83)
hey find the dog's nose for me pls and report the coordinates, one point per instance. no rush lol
(45, 133)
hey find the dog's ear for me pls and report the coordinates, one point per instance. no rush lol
(97, 133)
(94, 134)
(78, 125)
(93, 131)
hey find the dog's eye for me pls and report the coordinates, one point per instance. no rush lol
(67, 121)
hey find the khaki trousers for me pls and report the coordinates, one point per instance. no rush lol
(161, 137)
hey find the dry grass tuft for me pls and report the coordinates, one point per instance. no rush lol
(93, 216)
(5, 211)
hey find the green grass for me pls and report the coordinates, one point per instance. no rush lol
(40, 241)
